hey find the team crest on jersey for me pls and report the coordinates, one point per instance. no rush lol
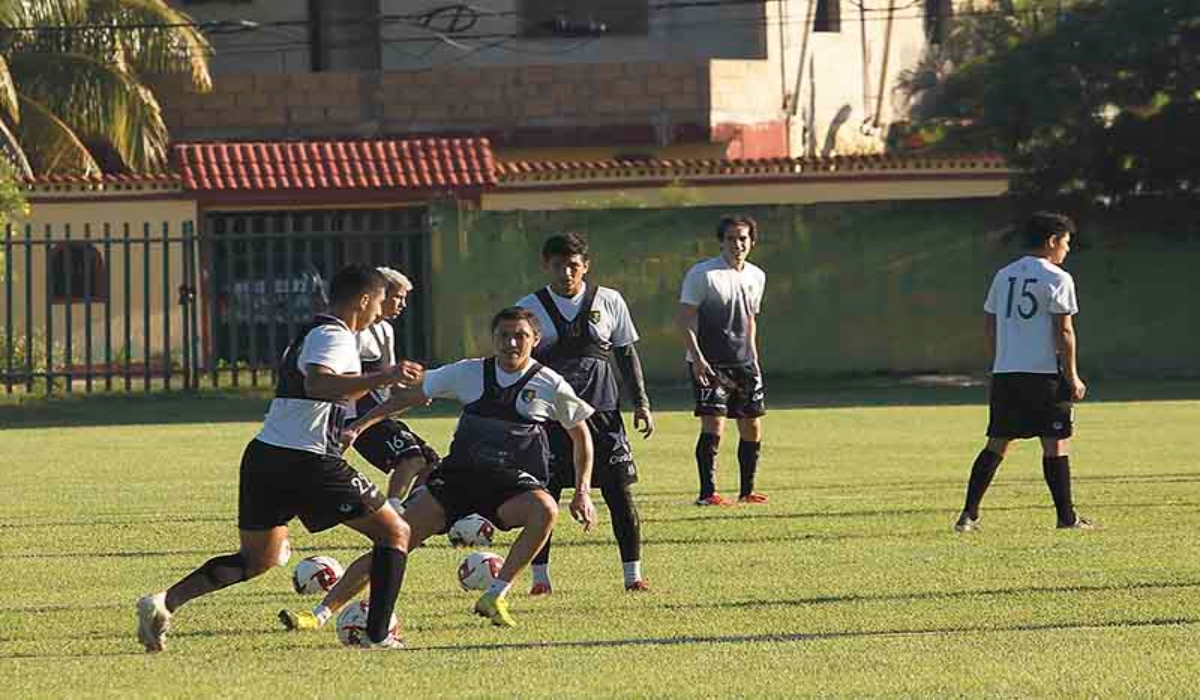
(594, 316)
(527, 395)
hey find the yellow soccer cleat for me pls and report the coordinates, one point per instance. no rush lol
(495, 608)
(303, 621)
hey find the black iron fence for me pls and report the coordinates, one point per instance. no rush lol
(164, 307)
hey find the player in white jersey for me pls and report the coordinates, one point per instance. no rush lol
(294, 468)
(587, 337)
(1035, 379)
(718, 309)
(498, 462)
(390, 445)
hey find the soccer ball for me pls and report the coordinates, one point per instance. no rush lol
(478, 569)
(471, 531)
(316, 575)
(352, 623)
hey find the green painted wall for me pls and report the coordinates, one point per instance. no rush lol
(851, 288)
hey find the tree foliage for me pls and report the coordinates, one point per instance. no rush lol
(1102, 100)
(72, 81)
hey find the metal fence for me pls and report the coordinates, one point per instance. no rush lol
(164, 307)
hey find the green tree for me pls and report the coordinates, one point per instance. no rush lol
(72, 81)
(1103, 100)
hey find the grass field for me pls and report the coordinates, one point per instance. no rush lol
(850, 582)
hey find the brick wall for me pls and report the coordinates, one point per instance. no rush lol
(572, 103)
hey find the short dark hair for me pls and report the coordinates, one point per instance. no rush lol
(1044, 225)
(516, 313)
(353, 281)
(733, 221)
(566, 245)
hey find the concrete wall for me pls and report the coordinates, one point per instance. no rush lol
(852, 288)
(117, 213)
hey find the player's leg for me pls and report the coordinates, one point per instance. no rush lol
(541, 561)
(711, 410)
(403, 475)
(627, 529)
(983, 469)
(747, 403)
(1056, 470)
(534, 511)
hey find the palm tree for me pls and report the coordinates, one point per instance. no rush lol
(72, 84)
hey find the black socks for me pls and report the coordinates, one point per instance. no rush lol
(748, 463)
(387, 573)
(706, 462)
(982, 471)
(1057, 472)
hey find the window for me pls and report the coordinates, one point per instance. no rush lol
(828, 17)
(564, 18)
(77, 273)
(937, 20)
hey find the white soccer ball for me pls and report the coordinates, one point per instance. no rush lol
(478, 570)
(471, 531)
(352, 623)
(316, 575)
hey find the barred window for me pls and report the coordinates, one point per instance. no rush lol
(828, 16)
(547, 18)
(77, 273)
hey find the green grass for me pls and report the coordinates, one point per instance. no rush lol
(850, 582)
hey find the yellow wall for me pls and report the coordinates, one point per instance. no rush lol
(91, 211)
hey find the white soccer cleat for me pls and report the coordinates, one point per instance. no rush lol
(154, 621)
(390, 642)
(966, 523)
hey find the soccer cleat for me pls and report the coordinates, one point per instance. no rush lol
(966, 523)
(638, 586)
(302, 621)
(753, 498)
(391, 642)
(1079, 524)
(495, 608)
(714, 499)
(540, 588)
(154, 620)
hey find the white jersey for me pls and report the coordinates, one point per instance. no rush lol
(725, 298)
(1024, 297)
(547, 396)
(611, 323)
(376, 351)
(307, 424)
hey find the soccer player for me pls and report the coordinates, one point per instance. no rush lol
(498, 462)
(389, 445)
(294, 468)
(1035, 379)
(586, 330)
(719, 303)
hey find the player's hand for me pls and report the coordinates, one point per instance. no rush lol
(1078, 389)
(643, 421)
(349, 435)
(583, 510)
(408, 373)
(705, 375)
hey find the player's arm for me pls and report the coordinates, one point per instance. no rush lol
(1064, 341)
(402, 399)
(322, 382)
(989, 334)
(630, 366)
(689, 319)
(582, 508)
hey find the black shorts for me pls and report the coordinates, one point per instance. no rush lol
(278, 484)
(462, 490)
(389, 442)
(612, 461)
(737, 393)
(1027, 405)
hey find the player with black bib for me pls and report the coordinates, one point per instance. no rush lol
(294, 468)
(588, 336)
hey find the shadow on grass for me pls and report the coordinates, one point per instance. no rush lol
(681, 640)
(222, 406)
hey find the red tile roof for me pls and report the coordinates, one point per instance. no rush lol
(104, 179)
(548, 171)
(409, 164)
